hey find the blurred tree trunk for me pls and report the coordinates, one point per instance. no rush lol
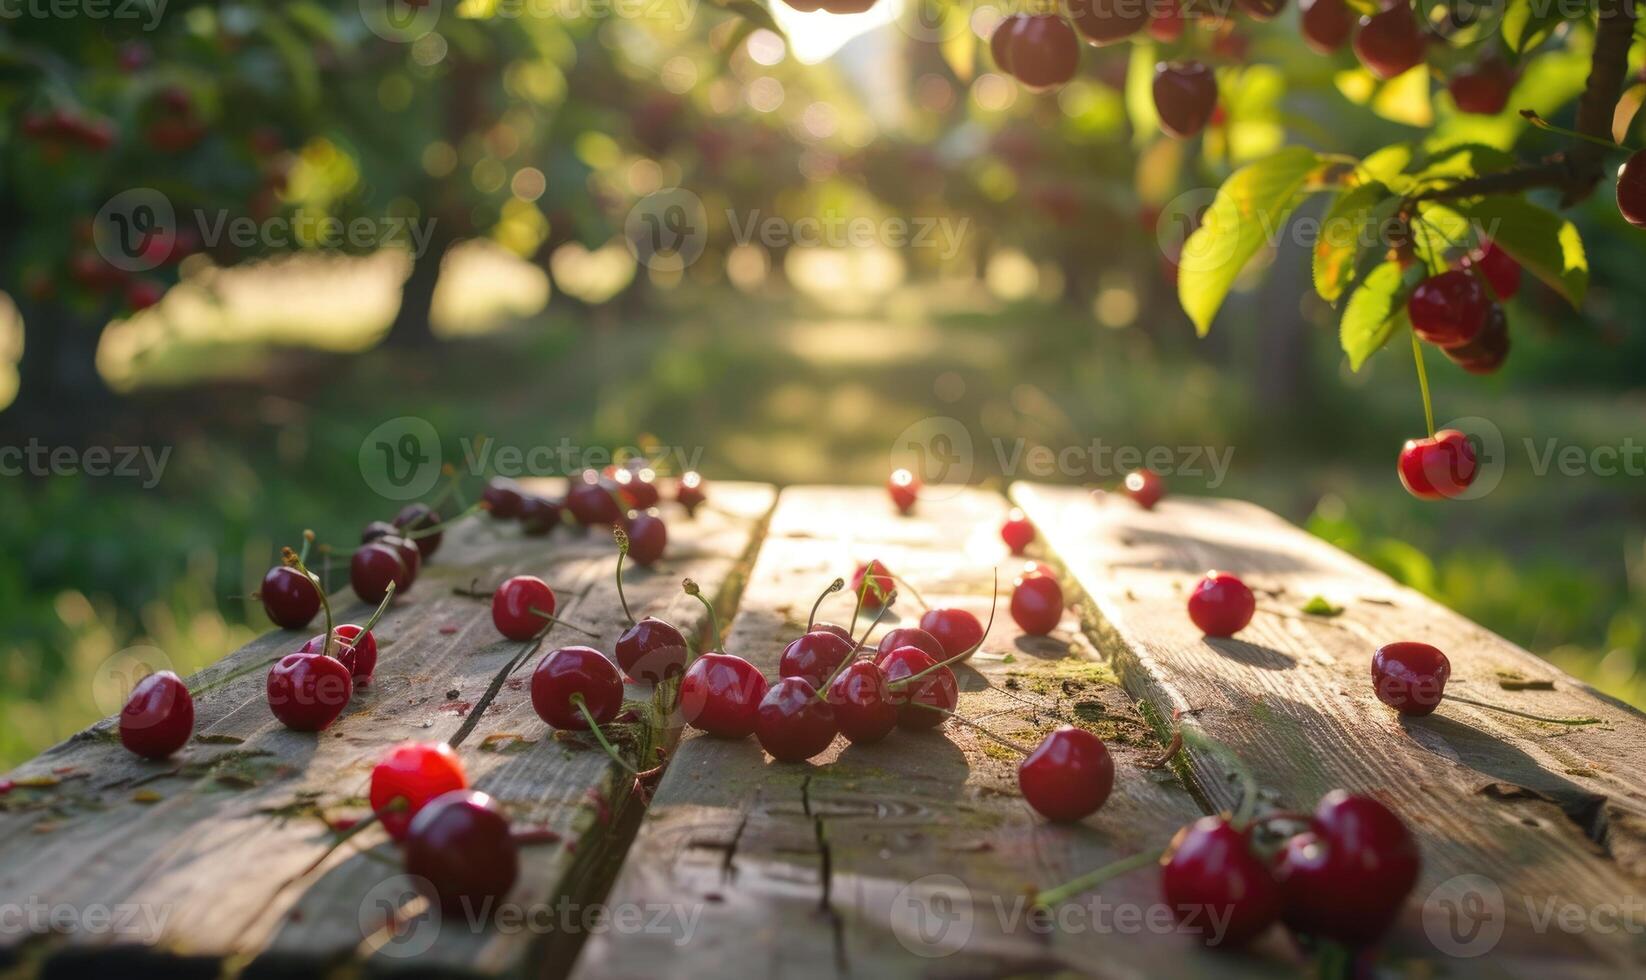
(412, 326)
(59, 389)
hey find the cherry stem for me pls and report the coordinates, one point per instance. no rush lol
(382, 607)
(834, 587)
(1197, 739)
(235, 675)
(1531, 116)
(325, 603)
(622, 538)
(308, 541)
(453, 477)
(433, 529)
(1091, 879)
(900, 580)
(691, 589)
(974, 726)
(822, 691)
(555, 620)
(1523, 714)
(600, 736)
(968, 651)
(1423, 384)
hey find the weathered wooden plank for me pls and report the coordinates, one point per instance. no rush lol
(1549, 815)
(237, 814)
(826, 869)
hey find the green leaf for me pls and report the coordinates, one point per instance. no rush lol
(1527, 24)
(1342, 233)
(1624, 116)
(1388, 166)
(1439, 230)
(1140, 93)
(1547, 245)
(1248, 212)
(754, 13)
(1374, 311)
(1318, 606)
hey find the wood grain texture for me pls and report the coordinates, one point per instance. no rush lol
(203, 846)
(836, 867)
(1550, 816)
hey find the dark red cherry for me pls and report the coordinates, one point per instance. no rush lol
(1068, 776)
(592, 500)
(1487, 352)
(461, 846)
(648, 537)
(938, 689)
(1104, 22)
(1410, 677)
(910, 637)
(652, 650)
(1262, 9)
(637, 487)
(1017, 532)
(690, 492)
(373, 567)
(1221, 604)
(538, 515)
(1439, 467)
(1631, 189)
(1502, 272)
(1348, 877)
(357, 650)
(1000, 42)
(290, 597)
(1044, 52)
(791, 723)
(864, 709)
(1185, 93)
(721, 695)
(378, 530)
(503, 497)
(1037, 604)
(956, 630)
(1483, 89)
(307, 691)
(881, 583)
(158, 717)
(814, 656)
(1448, 309)
(520, 607)
(413, 518)
(570, 671)
(1145, 487)
(408, 777)
(1215, 886)
(1390, 43)
(1326, 24)
(410, 555)
(904, 490)
(834, 628)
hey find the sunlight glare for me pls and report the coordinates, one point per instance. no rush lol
(817, 35)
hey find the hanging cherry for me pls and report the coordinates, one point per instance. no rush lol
(1484, 88)
(1105, 22)
(1390, 42)
(1185, 93)
(1440, 467)
(1327, 24)
(1631, 189)
(1448, 309)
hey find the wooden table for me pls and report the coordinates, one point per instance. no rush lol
(913, 856)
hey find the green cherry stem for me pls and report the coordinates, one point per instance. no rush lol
(308, 542)
(1523, 714)
(974, 726)
(828, 682)
(382, 607)
(1423, 384)
(1091, 879)
(622, 538)
(1531, 116)
(552, 620)
(691, 589)
(600, 736)
(834, 587)
(434, 529)
(1193, 737)
(291, 558)
(968, 652)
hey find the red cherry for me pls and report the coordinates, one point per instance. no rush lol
(814, 656)
(1221, 605)
(357, 649)
(1410, 677)
(516, 606)
(571, 671)
(1017, 532)
(1044, 51)
(410, 556)
(460, 844)
(881, 587)
(1262, 9)
(1000, 42)
(1068, 776)
(1185, 93)
(1326, 24)
(648, 537)
(1439, 467)
(373, 567)
(1487, 352)
(1483, 89)
(413, 773)
(290, 597)
(1166, 26)
(791, 723)
(418, 517)
(1390, 43)
(1037, 604)
(864, 708)
(1210, 877)
(1348, 877)
(690, 492)
(909, 637)
(721, 695)
(502, 497)
(1502, 272)
(307, 691)
(834, 628)
(652, 650)
(378, 530)
(144, 293)
(1032, 568)
(1448, 309)
(158, 717)
(956, 630)
(1145, 487)
(938, 689)
(1631, 189)
(538, 515)
(904, 490)
(592, 500)
(1108, 21)
(637, 487)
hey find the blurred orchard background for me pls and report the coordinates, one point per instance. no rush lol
(496, 159)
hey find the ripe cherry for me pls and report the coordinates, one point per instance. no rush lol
(1631, 189)
(522, 606)
(814, 656)
(538, 515)
(1166, 24)
(1502, 272)
(1390, 42)
(158, 717)
(377, 530)
(648, 537)
(1487, 352)
(1068, 776)
(1037, 604)
(937, 689)
(1044, 51)
(1221, 604)
(576, 672)
(307, 691)
(502, 497)
(374, 567)
(904, 488)
(408, 777)
(410, 556)
(637, 486)
(880, 584)
(1439, 467)
(864, 707)
(792, 723)
(1000, 42)
(460, 844)
(1326, 24)
(1484, 88)
(1145, 487)
(650, 649)
(721, 694)
(290, 597)
(956, 630)
(592, 500)
(1347, 878)
(1108, 21)
(690, 492)
(1185, 93)
(1209, 876)
(360, 658)
(1410, 677)
(834, 628)
(1448, 309)
(910, 637)
(1017, 532)
(414, 518)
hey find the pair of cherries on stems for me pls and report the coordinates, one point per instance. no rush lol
(309, 689)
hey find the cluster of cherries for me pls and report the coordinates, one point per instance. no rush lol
(60, 128)
(1460, 312)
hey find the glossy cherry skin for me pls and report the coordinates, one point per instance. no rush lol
(410, 556)
(418, 517)
(412, 774)
(289, 597)
(371, 570)
(1448, 309)
(652, 650)
(1017, 532)
(307, 691)
(1104, 22)
(1390, 42)
(690, 492)
(1221, 604)
(356, 648)
(648, 537)
(1044, 52)
(1631, 189)
(503, 498)
(1037, 604)
(814, 656)
(1209, 876)
(1410, 677)
(1502, 272)
(377, 530)
(538, 515)
(938, 689)
(882, 583)
(1068, 776)
(1440, 467)
(864, 709)
(592, 500)
(1000, 42)
(1487, 352)
(910, 637)
(956, 630)
(637, 487)
(1348, 877)
(158, 717)
(792, 723)
(1185, 93)
(576, 670)
(904, 490)
(460, 844)
(1484, 88)
(834, 628)
(513, 604)
(1145, 487)
(721, 695)
(1326, 24)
